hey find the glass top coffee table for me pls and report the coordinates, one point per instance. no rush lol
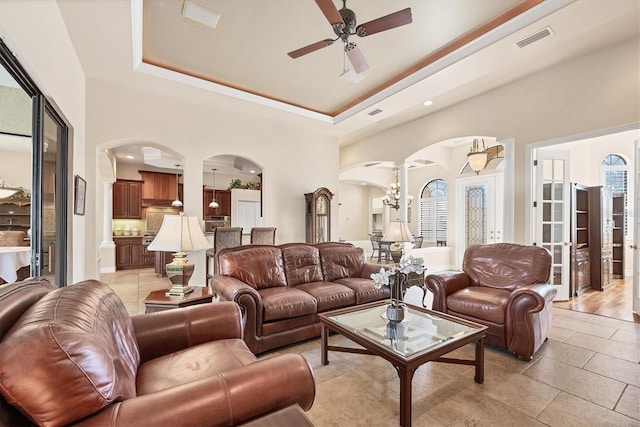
(422, 336)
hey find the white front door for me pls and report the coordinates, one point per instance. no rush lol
(635, 246)
(479, 219)
(552, 214)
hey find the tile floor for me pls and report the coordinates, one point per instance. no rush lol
(586, 374)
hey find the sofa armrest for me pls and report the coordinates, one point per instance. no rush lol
(369, 268)
(229, 288)
(540, 294)
(443, 285)
(168, 331)
(528, 318)
(229, 398)
(250, 302)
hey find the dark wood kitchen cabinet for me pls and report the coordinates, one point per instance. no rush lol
(159, 189)
(127, 199)
(223, 197)
(131, 253)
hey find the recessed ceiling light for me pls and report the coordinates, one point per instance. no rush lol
(363, 183)
(252, 171)
(129, 157)
(427, 103)
(199, 14)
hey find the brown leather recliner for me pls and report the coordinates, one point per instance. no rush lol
(505, 287)
(74, 356)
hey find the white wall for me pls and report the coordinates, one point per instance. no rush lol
(118, 115)
(596, 91)
(15, 168)
(36, 33)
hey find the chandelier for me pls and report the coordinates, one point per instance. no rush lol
(392, 198)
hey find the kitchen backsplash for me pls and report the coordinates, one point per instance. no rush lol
(151, 222)
(156, 215)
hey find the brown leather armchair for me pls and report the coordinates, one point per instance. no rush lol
(74, 356)
(503, 286)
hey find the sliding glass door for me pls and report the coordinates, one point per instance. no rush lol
(49, 181)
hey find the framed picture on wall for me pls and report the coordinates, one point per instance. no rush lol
(80, 192)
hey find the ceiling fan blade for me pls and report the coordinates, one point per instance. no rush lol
(330, 11)
(357, 59)
(397, 19)
(311, 48)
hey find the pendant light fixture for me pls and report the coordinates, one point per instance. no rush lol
(177, 203)
(477, 157)
(213, 203)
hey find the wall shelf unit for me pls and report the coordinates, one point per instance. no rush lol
(618, 235)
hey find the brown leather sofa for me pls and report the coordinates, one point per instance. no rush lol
(73, 356)
(503, 286)
(281, 289)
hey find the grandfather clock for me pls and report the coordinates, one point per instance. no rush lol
(318, 206)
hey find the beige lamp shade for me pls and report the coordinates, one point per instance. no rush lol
(179, 233)
(398, 232)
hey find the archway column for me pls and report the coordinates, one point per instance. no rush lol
(403, 177)
(107, 248)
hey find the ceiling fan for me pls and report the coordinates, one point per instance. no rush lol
(344, 24)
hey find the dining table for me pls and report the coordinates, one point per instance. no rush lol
(12, 258)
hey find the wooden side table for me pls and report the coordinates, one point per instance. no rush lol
(157, 301)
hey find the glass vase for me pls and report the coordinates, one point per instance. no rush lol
(396, 308)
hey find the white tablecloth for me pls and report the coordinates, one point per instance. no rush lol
(11, 259)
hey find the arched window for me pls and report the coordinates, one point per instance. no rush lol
(433, 212)
(615, 175)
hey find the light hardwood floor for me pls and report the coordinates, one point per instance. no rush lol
(615, 301)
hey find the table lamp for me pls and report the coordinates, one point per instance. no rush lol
(179, 234)
(398, 232)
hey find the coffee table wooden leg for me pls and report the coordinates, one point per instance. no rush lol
(406, 376)
(324, 333)
(479, 377)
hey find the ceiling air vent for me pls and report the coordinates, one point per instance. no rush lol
(374, 112)
(538, 35)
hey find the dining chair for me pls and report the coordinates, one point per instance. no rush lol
(263, 236)
(417, 242)
(375, 244)
(223, 237)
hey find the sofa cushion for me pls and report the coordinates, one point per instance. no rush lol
(283, 303)
(339, 262)
(192, 364)
(329, 295)
(82, 349)
(301, 264)
(506, 266)
(480, 302)
(260, 267)
(364, 289)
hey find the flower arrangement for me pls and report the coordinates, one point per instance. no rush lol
(394, 278)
